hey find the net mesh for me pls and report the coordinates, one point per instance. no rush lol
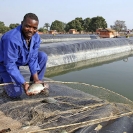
(68, 110)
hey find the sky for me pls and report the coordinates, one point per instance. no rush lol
(12, 11)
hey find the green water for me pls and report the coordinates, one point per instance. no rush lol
(116, 75)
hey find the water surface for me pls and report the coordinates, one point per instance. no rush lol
(116, 75)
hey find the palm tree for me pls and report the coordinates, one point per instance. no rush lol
(46, 25)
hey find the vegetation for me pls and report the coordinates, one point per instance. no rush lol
(97, 22)
(79, 24)
(43, 30)
(119, 26)
(58, 26)
(46, 25)
(3, 28)
(12, 26)
(86, 24)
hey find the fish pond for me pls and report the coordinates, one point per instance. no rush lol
(115, 74)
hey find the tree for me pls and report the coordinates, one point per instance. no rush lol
(40, 29)
(97, 22)
(86, 24)
(3, 28)
(119, 25)
(12, 26)
(2, 24)
(77, 24)
(46, 25)
(58, 26)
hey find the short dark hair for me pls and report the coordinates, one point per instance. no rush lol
(31, 16)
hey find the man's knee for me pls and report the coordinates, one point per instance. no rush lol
(1, 81)
(42, 56)
(13, 91)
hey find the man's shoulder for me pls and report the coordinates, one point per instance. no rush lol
(36, 35)
(13, 34)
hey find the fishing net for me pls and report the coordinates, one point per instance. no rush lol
(77, 107)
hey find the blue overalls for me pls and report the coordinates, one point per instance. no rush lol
(14, 52)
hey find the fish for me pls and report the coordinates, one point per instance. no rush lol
(36, 88)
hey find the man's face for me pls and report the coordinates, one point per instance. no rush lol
(29, 27)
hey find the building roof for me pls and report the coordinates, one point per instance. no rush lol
(108, 29)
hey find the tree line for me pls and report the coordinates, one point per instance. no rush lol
(80, 24)
(4, 28)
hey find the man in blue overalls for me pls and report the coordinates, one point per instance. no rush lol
(19, 47)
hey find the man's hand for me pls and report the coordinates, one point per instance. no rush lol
(38, 82)
(26, 87)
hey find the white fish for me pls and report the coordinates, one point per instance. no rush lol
(36, 88)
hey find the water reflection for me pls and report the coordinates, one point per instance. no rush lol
(62, 69)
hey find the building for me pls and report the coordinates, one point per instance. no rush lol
(53, 32)
(106, 33)
(72, 31)
(40, 32)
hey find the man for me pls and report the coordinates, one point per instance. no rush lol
(19, 47)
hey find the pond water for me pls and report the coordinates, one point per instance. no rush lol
(116, 76)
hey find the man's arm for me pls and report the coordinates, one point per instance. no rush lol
(10, 57)
(33, 62)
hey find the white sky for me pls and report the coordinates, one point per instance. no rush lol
(12, 11)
